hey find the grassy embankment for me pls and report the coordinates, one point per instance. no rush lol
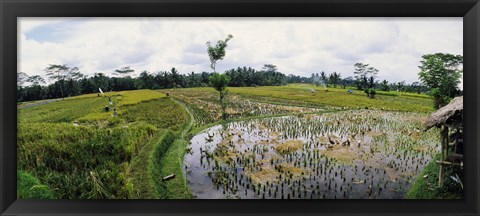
(426, 184)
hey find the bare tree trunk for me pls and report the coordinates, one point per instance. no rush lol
(223, 104)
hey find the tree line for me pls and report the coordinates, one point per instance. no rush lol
(439, 76)
(69, 81)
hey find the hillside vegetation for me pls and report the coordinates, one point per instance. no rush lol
(92, 158)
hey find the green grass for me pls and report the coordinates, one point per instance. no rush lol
(299, 94)
(128, 97)
(94, 160)
(137, 96)
(167, 161)
(427, 188)
(139, 174)
(29, 187)
(155, 164)
(61, 111)
(172, 163)
(163, 113)
(339, 97)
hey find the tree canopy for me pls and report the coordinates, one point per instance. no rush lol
(441, 72)
(124, 71)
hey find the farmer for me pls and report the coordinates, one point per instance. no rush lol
(115, 113)
(107, 108)
(110, 100)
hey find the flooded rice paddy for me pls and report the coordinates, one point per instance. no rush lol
(359, 154)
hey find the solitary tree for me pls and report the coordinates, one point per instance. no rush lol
(217, 52)
(217, 81)
(364, 75)
(61, 73)
(334, 79)
(441, 72)
(324, 76)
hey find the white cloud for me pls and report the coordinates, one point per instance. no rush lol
(296, 45)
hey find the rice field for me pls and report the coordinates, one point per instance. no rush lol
(303, 141)
(357, 154)
(76, 150)
(279, 142)
(204, 104)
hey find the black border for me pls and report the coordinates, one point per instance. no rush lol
(11, 9)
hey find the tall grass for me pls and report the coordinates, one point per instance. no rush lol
(80, 162)
(163, 113)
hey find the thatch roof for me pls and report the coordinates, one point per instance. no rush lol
(451, 114)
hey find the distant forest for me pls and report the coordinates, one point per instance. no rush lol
(70, 82)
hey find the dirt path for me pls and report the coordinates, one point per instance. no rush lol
(190, 123)
(182, 137)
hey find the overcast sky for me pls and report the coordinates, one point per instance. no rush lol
(299, 46)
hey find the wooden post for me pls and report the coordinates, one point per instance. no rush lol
(444, 143)
(457, 132)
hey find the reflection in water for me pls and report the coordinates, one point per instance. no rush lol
(351, 154)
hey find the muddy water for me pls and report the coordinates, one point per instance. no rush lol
(349, 155)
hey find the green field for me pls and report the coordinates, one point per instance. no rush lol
(103, 156)
(126, 156)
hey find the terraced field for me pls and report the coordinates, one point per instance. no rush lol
(295, 141)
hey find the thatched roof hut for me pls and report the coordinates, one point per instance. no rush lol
(451, 115)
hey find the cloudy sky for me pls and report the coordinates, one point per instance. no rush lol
(299, 46)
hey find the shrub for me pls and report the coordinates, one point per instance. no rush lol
(372, 93)
(367, 91)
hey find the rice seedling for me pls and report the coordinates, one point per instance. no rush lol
(294, 151)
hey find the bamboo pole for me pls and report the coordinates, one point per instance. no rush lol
(448, 163)
(444, 139)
